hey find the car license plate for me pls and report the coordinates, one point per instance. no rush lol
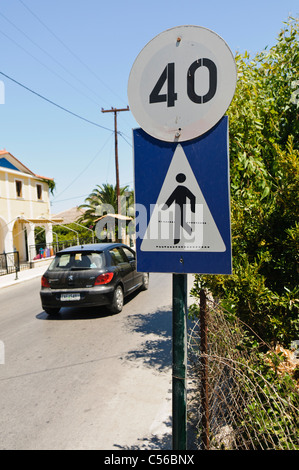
(66, 297)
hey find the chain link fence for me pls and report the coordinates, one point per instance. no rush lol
(245, 395)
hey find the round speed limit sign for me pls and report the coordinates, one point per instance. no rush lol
(182, 83)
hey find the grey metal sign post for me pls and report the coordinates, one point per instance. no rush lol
(179, 365)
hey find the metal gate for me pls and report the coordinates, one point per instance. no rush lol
(9, 263)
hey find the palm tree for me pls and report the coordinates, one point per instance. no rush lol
(100, 197)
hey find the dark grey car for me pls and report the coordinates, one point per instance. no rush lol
(91, 275)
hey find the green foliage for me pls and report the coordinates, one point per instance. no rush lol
(253, 389)
(51, 184)
(69, 233)
(61, 234)
(264, 149)
(104, 196)
(267, 411)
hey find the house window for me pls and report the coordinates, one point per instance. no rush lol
(39, 192)
(19, 188)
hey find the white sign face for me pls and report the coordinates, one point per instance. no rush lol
(190, 227)
(182, 83)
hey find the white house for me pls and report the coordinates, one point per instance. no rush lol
(24, 204)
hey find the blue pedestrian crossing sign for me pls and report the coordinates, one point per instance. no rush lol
(182, 203)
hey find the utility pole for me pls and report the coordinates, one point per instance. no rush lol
(115, 111)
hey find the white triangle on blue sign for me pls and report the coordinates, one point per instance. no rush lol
(181, 219)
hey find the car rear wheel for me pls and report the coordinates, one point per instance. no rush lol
(52, 311)
(118, 300)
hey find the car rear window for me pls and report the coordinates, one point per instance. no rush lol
(80, 260)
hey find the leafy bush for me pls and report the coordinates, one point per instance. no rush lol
(264, 139)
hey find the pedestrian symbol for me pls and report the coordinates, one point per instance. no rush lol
(179, 197)
(181, 219)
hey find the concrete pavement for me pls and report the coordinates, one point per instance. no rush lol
(37, 271)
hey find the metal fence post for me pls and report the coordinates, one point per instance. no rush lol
(17, 263)
(204, 370)
(6, 265)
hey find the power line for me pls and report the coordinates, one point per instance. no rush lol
(67, 48)
(55, 104)
(49, 55)
(42, 63)
(87, 166)
(69, 198)
(73, 114)
(122, 135)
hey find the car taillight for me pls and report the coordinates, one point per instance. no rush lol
(104, 278)
(45, 282)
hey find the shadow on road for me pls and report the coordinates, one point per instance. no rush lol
(151, 443)
(156, 352)
(72, 313)
(156, 328)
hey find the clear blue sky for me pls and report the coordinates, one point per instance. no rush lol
(79, 55)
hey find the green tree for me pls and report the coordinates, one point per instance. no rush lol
(103, 196)
(264, 129)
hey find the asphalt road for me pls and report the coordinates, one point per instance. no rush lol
(87, 379)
